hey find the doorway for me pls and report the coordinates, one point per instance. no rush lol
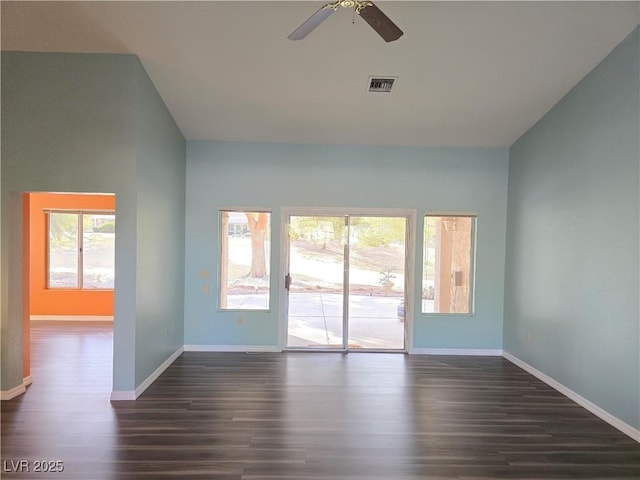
(346, 279)
(68, 269)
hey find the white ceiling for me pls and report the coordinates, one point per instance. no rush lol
(470, 73)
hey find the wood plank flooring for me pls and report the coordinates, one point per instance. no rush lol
(313, 416)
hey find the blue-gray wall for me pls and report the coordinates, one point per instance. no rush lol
(79, 123)
(161, 181)
(572, 277)
(274, 176)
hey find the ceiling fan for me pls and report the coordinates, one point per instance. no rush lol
(367, 10)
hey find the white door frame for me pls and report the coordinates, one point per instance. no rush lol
(409, 276)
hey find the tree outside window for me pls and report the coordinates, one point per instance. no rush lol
(244, 260)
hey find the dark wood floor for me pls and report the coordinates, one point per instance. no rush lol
(301, 416)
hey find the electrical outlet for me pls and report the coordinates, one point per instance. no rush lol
(528, 337)
(205, 289)
(239, 320)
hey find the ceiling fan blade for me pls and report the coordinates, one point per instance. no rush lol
(311, 23)
(388, 30)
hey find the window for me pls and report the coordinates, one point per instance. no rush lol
(81, 250)
(447, 280)
(244, 259)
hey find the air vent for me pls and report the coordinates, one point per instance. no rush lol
(381, 84)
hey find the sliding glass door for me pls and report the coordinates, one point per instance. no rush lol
(345, 282)
(315, 282)
(377, 260)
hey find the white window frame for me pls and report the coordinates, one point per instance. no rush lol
(80, 233)
(409, 213)
(242, 210)
(472, 262)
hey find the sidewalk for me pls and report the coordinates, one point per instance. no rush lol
(315, 319)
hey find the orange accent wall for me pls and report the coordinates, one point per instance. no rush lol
(44, 301)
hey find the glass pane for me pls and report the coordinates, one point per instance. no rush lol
(376, 282)
(98, 250)
(245, 256)
(316, 266)
(448, 262)
(63, 250)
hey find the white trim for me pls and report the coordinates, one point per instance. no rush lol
(91, 211)
(73, 318)
(409, 279)
(132, 395)
(232, 348)
(351, 211)
(283, 304)
(26, 381)
(12, 393)
(119, 395)
(483, 352)
(158, 371)
(624, 427)
(218, 298)
(472, 263)
(440, 213)
(245, 209)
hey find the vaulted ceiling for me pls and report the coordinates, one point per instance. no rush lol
(469, 73)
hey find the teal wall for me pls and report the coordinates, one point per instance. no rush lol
(77, 123)
(572, 277)
(275, 176)
(160, 183)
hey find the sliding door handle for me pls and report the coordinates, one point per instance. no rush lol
(287, 281)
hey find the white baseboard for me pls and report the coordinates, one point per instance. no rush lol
(158, 371)
(12, 393)
(26, 381)
(484, 352)
(579, 399)
(73, 318)
(118, 395)
(232, 348)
